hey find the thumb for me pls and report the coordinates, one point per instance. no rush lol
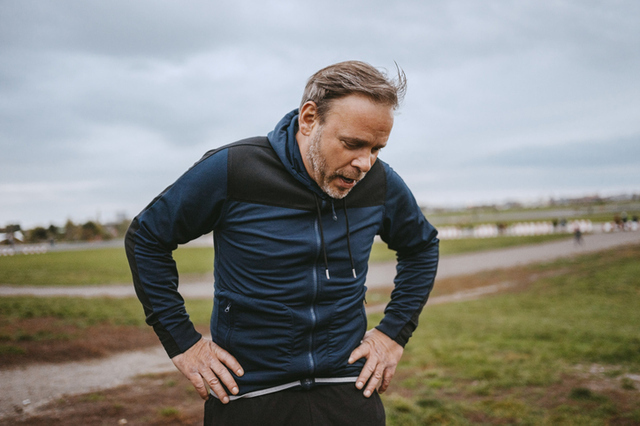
(359, 352)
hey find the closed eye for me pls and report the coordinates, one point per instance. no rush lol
(351, 145)
(357, 144)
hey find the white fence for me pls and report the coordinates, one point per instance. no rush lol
(444, 232)
(23, 249)
(531, 228)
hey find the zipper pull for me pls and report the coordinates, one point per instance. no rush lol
(228, 308)
(333, 210)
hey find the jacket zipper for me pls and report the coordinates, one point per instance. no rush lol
(312, 309)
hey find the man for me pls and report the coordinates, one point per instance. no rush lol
(294, 217)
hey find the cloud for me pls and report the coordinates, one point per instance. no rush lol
(126, 95)
(578, 155)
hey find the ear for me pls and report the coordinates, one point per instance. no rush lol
(308, 118)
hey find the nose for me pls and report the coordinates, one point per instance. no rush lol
(363, 160)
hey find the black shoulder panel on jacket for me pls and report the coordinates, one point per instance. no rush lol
(256, 175)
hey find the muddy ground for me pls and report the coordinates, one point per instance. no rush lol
(161, 399)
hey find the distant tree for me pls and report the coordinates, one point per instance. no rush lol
(122, 226)
(54, 232)
(92, 231)
(72, 232)
(37, 234)
(10, 229)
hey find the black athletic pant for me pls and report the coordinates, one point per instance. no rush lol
(336, 404)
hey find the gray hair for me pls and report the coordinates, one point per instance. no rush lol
(353, 77)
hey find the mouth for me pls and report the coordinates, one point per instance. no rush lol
(346, 182)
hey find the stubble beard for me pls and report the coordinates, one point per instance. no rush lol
(319, 168)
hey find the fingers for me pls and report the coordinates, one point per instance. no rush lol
(206, 364)
(221, 374)
(377, 376)
(359, 352)
(229, 360)
(371, 374)
(199, 385)
(364, 350)
(216, 386)
(217, 374)
(365, 373)
(382, 356)
(386, 379)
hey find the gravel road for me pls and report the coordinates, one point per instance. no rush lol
(29, 387)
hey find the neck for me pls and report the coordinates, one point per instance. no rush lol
(304, 143)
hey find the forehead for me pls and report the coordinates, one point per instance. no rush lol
(358, 117)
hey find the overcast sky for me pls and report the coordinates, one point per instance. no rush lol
(105, 103)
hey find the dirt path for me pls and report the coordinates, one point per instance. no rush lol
(24, 389)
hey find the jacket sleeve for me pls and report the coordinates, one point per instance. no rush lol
(186, 210)
(406, 230)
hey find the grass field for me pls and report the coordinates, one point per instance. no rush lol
(90, 267)
(86, 312)
(563, 350)
(560, 347)
(109, 266)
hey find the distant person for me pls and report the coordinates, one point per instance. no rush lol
(294, 217)
(618, 221)
(577, 236)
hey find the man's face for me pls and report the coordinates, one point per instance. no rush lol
(343, 149)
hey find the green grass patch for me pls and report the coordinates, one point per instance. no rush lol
(170, 412)
(468, 245)
(109, 265)
(99, 266)
(496, 359)
(11, 350)
(92, 397)
(381, 253)
(85, 312)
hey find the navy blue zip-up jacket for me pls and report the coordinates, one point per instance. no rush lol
(290, 262)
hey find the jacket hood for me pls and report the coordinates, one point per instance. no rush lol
(284, 142)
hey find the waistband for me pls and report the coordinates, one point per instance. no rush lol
(304, 383)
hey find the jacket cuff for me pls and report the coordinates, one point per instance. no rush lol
(394, 327)
(186, 335)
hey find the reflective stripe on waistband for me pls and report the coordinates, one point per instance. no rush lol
(286, 386)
